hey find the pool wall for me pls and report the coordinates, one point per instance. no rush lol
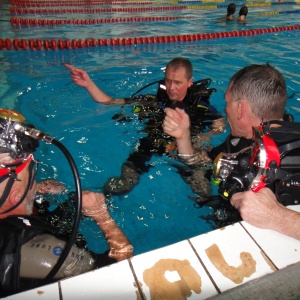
(254, 264)
(268, 260)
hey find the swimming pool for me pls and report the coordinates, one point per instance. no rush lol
(159, 210)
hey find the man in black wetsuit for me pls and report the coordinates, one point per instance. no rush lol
(176, 90)
(30, 245)
(255, 94)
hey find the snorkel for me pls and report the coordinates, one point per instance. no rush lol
(20, 140)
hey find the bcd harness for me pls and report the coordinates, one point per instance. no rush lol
(197, 96)
(273, 160)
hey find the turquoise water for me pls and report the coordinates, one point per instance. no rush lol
(159, 210)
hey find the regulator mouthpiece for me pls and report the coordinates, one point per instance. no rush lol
(33, 132)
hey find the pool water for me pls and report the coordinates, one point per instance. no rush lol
(159, 210)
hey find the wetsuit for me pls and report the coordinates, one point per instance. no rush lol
(234, 144)
(151, 108)
(286, 179)
(30, 247)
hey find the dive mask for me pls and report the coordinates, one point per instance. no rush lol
(14, 142)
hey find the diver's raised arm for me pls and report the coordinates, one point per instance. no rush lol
(81, 78)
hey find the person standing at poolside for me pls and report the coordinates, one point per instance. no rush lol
(176, 90)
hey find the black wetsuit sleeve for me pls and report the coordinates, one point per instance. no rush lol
(130, 100)
(13, 233)
(213, 153)
(141, 99)
(9, 264)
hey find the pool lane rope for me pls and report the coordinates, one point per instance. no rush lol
(39, 3)
(44, 22)
(94, 3)
(35, 22)
(37, 44)
(23, 11)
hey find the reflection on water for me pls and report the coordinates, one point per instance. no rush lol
(159, 210)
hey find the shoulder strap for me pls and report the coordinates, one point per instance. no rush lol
(288, 131)
(200, 91)
(203, 83)
(287, 136)
(144, 87)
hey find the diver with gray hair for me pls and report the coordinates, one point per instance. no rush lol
(33, 250)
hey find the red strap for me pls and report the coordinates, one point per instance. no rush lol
(7, 170)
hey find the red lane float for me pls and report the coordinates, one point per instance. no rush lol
(34, 22)
(23, 11)
(5, 44)
(12, 2)
(22, 44)
(77, 3)
(35, 44)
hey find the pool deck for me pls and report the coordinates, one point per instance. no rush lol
(235, 262)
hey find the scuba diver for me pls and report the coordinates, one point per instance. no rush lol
(261, 152)
(176, 90)
(34, 251)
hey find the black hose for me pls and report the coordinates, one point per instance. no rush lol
(73, 233)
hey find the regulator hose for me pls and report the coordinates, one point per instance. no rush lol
(38, 135)
(78, 201)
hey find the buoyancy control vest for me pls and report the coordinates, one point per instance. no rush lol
(197, 95)
(234, 144)
(14, 232)
(287, 176)
(26, 243)
(281, 176)
(196, 103)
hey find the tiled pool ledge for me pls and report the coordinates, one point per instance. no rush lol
(209, 265)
